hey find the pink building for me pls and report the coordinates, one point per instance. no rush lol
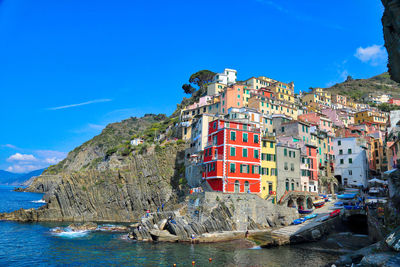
(394, 101)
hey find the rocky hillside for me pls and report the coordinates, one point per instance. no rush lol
(112, 140)
(107, 179)
(357, 88)
(120, 193)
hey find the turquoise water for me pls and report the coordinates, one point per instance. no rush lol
(34, 244)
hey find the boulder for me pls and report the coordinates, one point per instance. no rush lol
(393, 240)
(89, 226)
(316, 234)
(163, 236)
(384, 259)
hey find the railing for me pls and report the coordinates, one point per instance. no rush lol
(211, 143)
(218, 157)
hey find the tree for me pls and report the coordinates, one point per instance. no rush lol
(349, 78)
(201, 78)
(188, 89)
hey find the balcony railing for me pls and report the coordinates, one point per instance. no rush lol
(218, 157)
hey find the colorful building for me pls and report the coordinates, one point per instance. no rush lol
(318, 96)
(268, 168)
(232, 158)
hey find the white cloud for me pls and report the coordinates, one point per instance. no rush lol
(81, 104)
(10, 146)
(23, 168)
(22, 157)
(374, 54)
(41, 159)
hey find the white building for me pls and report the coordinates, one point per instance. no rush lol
(137, 141)
(194, 154)
(227, 77)
(351, 162)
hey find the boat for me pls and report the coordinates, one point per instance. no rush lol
(298, 221)
(318, 204)
(305, 211)
(334, 213)
(339, 203)
(352, 207)
(346, 196)
(311, 216)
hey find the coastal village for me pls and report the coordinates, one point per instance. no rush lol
(259, 137)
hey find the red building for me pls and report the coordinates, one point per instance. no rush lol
(311, 152)
(394, 101)
(232, 157)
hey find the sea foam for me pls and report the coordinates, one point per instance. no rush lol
(38, 201)
(68, 233)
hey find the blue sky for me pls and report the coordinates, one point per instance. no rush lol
(68, 68)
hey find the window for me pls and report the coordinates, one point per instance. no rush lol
(340, 151)
(350, 160)
(283, 129)
(264, 143)
(244, 168)
(350, 172)
(256, 154)
(349, 151)
(256, 138)
(245, 127)
(244, 152)
(292, 167)
(286, 166)
(271, 145)
(215, 125)
(341, 161)
(294, 154)
(245, 137)
(339, 143)
(233, 136)
(255, 169)
(232, 167)
(290, 154)
(233, 151)
(285, 152)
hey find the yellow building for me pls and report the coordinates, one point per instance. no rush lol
(268, 168)
(215, 88)
(260, 82)
(370, 116)
(283, 91)
(271, 106)
(318, 96)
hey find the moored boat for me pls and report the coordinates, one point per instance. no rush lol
(346, 196)
(318, 204)
(334, 213)
(305, 211)
(311, 216)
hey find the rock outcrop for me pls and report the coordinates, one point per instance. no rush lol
(212, 217)
(391, 32)
(121, 192)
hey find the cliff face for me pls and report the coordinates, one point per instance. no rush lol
(391, 32)
(106, 179)
(120, 193)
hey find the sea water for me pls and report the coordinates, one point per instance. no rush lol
(43, 244)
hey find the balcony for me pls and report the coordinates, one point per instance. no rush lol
(218, 157)
(211, 143)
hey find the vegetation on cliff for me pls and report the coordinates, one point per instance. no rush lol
(358, 88)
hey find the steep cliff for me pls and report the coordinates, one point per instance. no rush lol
(107, 179)
(120, 193)
(391, 33)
